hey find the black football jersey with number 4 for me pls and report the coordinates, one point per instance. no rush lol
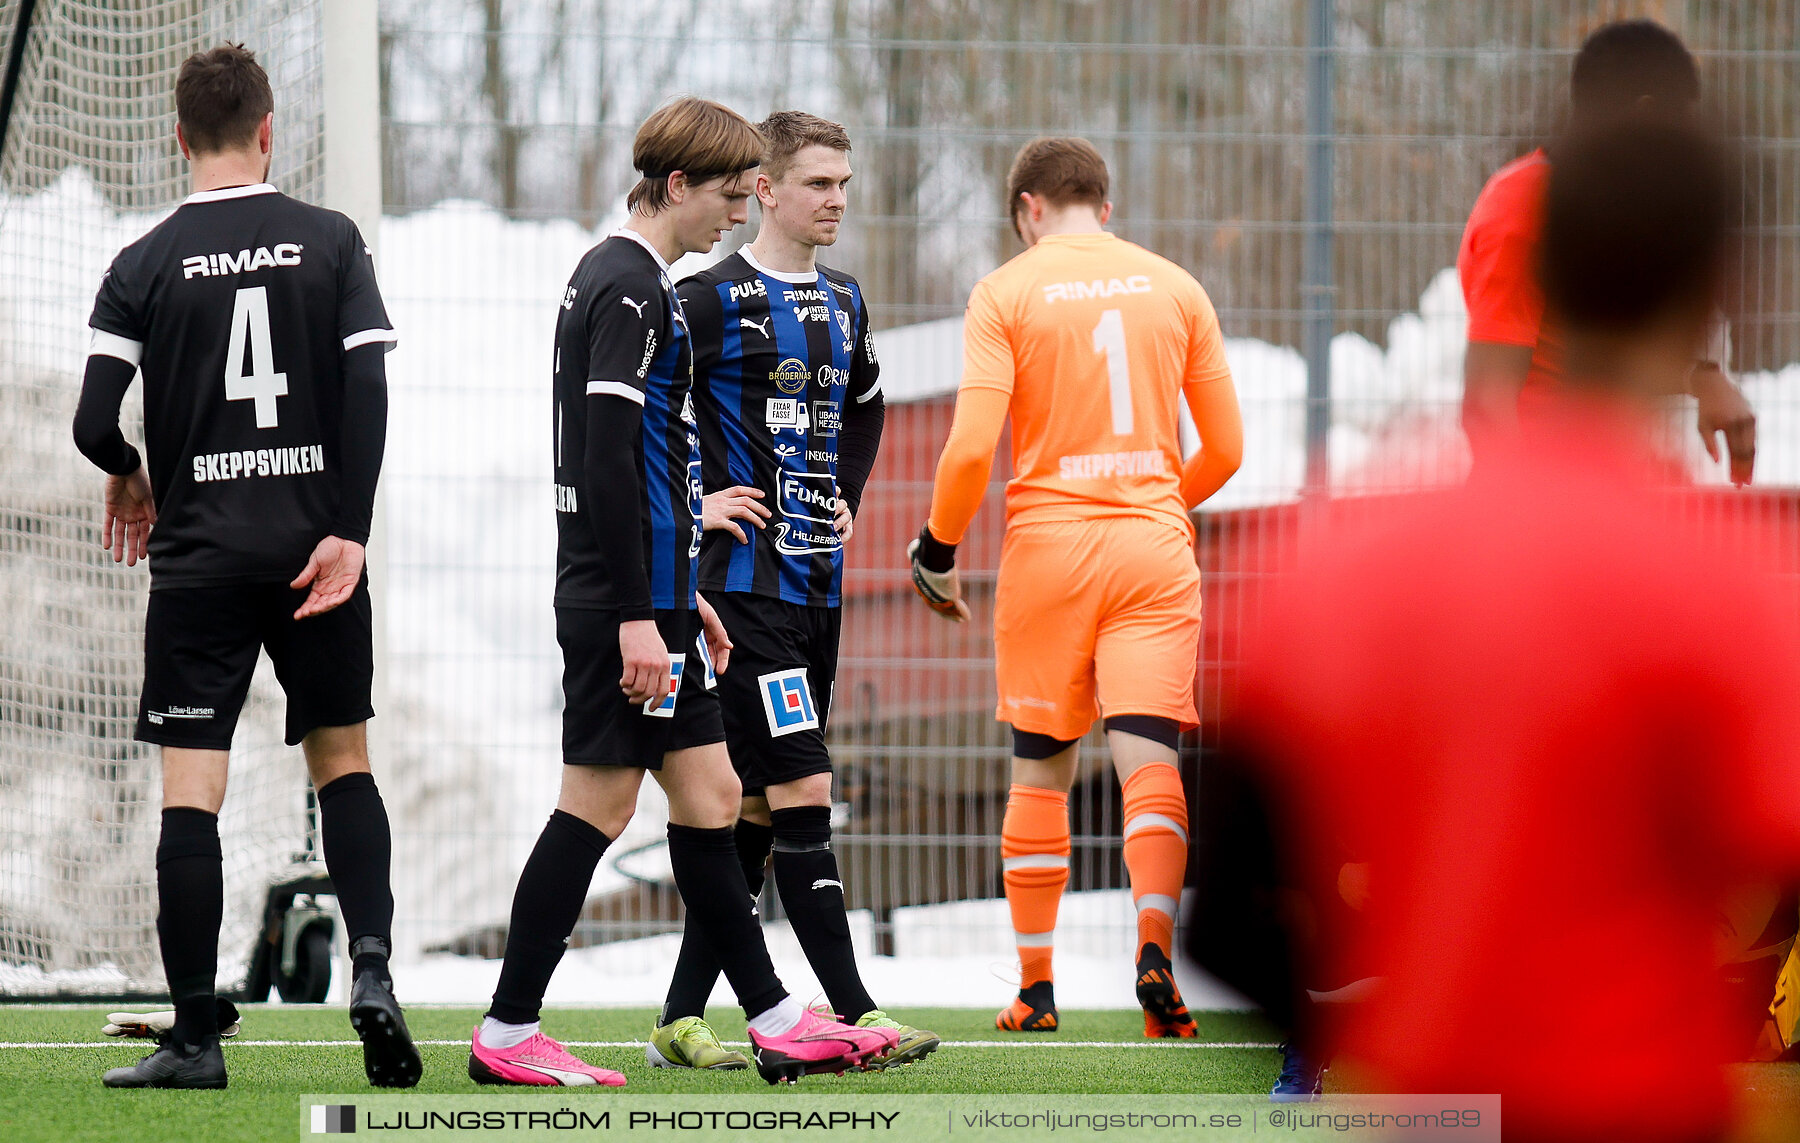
(238, 309)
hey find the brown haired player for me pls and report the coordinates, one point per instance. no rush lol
(1090, 344)
(260, 333)
(789, 397)
(639, 644)
(1632, 69)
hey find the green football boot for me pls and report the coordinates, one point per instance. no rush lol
(691, 1043)
(914, 1043)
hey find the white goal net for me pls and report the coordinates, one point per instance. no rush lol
(90, 163)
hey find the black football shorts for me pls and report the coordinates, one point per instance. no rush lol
(200, 647)
(776, 689)
(601, 727)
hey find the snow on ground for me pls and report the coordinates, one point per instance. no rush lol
(473, 667)
(947, 956)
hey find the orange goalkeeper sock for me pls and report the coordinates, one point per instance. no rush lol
(1034, 851)
(1156, 844)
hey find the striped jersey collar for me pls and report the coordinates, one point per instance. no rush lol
(806, 278)
(224, 193)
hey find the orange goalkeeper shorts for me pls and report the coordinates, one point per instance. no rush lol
(1095, 618)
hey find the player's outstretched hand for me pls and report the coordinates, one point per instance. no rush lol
(718, 643)
(1724, 409)
(646, 678)
(941, 591)
(334, 570)
(842, 522)
(739, 502)
(130, 514)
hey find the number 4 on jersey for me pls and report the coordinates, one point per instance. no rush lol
(250, 337)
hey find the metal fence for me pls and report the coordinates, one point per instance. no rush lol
(1241, 134)
(1215, 118)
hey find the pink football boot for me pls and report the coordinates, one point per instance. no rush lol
(538, 1062)
(818, 1044)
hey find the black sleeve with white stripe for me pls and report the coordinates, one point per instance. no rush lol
(615, 496)
(118, 312)
(625, 319)
(362, 318)
(113, 357)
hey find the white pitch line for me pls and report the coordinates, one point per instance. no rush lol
(1162, 1044)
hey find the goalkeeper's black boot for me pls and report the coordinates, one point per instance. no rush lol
(1165, 1016)
(389, 1057)
(174, 1064)
(1033, 1011)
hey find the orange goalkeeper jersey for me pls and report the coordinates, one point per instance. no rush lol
(1094, 343)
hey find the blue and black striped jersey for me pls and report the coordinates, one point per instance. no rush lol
(780, 360)
(621, 333)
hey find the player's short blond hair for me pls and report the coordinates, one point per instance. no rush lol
(702, 139)
(1061, 170)
(786, 133)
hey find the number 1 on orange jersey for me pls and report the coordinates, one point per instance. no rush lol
(1109, 338)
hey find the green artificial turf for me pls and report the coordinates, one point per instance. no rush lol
(54, 1093)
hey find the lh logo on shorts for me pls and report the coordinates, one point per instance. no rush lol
(787, 700)
(666, 707)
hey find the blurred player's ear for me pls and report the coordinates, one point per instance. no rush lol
(1105, 212)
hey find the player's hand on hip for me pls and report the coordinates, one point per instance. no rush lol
(718, 643)
(333, 571)
(842, 522)
(941, 591)
(1724, 409)
(130, 514)
(739, 502)
(646, 678)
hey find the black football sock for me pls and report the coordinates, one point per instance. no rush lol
(190, 894)
(806, 876)
(353, 824)
(696, 969)
(546, 905)
(719, 905)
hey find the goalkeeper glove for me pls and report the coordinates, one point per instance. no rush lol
(150, 1025)
(940, 588)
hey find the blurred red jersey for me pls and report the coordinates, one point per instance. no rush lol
(1497, 264)
(1559, 724)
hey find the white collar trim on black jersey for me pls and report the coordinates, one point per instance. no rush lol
(627, 232)
(788, 276)
(224, 193)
